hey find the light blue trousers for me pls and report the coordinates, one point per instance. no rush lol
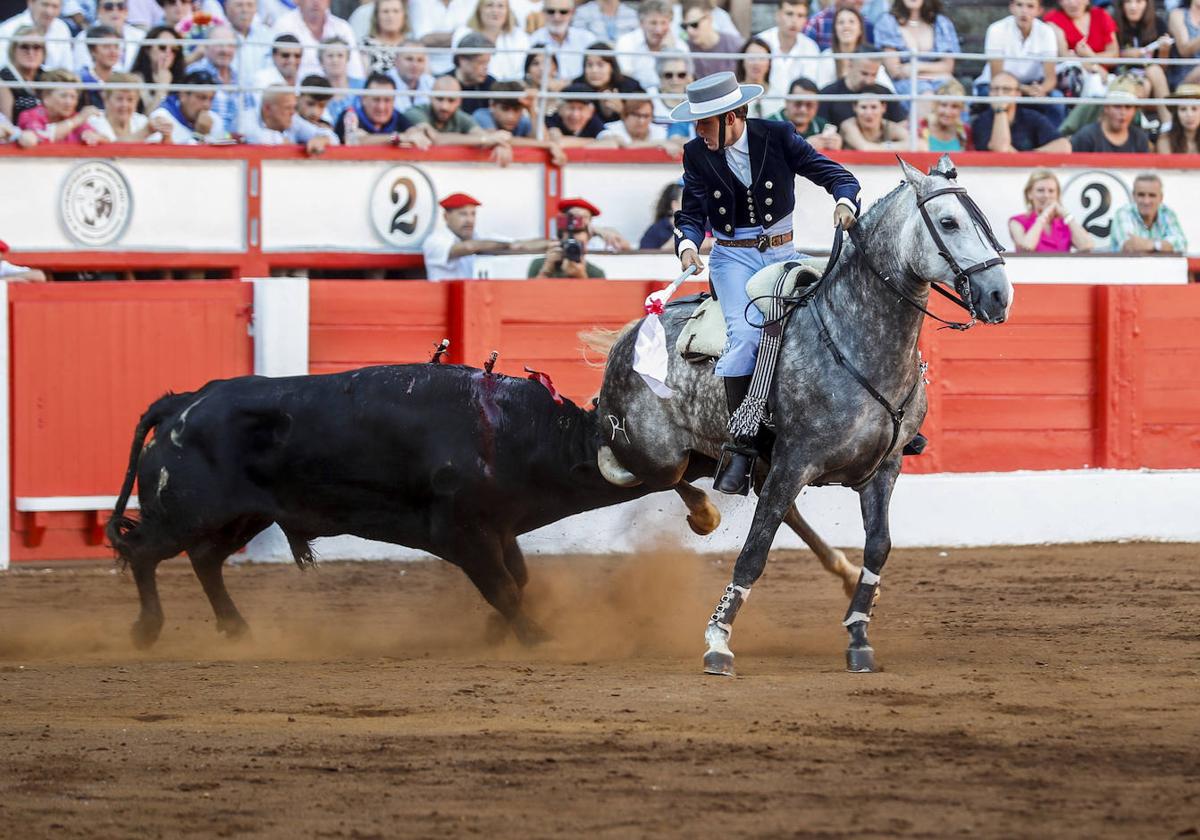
(729, 269)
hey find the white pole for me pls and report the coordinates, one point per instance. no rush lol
(280, 325)
(5, 434)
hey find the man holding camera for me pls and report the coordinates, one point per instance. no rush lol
(567, 256)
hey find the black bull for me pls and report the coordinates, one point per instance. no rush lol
(446, 459)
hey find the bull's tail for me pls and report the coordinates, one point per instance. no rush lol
(120, 526)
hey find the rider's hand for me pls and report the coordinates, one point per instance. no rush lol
(690, 258)
(844, 216)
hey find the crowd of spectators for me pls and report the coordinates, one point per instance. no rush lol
(499, 74)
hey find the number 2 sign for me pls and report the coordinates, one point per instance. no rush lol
(403, 207)
(1094, 196)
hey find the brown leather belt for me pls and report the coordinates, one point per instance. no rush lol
(761, 242)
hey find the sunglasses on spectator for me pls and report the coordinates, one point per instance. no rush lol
(694, 24)
(113, 7)
(558, 11)
(166, 48)
(32, 47)
(668, 74)
(176, 2)
(289, 54)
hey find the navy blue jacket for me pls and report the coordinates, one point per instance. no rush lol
(714, 197)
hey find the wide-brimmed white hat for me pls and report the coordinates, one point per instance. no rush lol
(713, 95)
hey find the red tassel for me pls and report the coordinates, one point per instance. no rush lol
(654, 307)
(545, 381)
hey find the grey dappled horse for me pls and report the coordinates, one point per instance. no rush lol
(829, 428)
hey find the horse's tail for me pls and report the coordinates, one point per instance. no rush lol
(600, 340)
(120, 527)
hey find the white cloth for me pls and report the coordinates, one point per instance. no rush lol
(59, 49)
(8, 269)
(522, 9)
(618, 129)
(181, 135)
(802, 60)
(642, 67)
(438, 264)
(255, 131)
(1023, 57)
(99, 124)
(504, 66)
(570, 67)
(270, 11)
(131, 35)
(334, 27)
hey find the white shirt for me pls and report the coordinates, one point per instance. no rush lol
(254, 131)
(59, 52)
(737, 156)
(426, 16)
(438, 265)
(181, 135)
(827, 73)
(618, 129)
(99, 124)
(407, 97)
(591, 17)
(504, 66)
(293, 24)
(570, 67)
(1023, 57)
(801, 61)
(131, 35)
(254, 50)
(270, 11)
(360, 20)
(642, 67)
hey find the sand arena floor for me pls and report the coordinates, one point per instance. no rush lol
(1028, 692)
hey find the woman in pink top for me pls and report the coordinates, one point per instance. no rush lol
(1046, 227)
(55, 120)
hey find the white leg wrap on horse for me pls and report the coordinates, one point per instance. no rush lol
(856, 617)
(869, 577)
(717, 637)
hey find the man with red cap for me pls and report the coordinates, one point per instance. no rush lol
(575, 225)
(450, 249)
(10, 273)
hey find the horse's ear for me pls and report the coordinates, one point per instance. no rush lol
(945, 166)
(914, 175)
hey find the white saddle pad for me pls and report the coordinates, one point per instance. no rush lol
(704, 334)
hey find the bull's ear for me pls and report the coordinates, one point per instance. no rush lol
(911, 174)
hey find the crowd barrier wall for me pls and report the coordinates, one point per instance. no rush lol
(1096, 379)
(253, 210)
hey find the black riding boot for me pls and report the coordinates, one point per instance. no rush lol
(737, 460)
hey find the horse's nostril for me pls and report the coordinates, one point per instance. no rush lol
(997, 297)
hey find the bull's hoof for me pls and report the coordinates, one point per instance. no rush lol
(235, 629)
(144, 632)
(530, 633)
(719, 664)
(860, 660)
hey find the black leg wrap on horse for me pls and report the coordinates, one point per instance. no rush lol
(860, 656)
(917, 445)
(737, 459)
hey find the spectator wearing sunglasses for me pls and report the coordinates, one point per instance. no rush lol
(25, 52)
(653, 35)
(703, 37)
(115, 15)
(312, 23)
(158, 65)
(284, 69)
(563, 40)
(674, 75)
(42, 15)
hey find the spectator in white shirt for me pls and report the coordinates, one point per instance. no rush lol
(412, 71)
(636, 130)
(654, 35)
(121, 123)
(42, 15)
(1024, 46)
(276, 123)
(608, 20)
(564, 40)
(434, 23)
(787, 36)
(190, 113)
(312, 23)
(112, 13)
(286, 56)
(495, 21)
(254, 37)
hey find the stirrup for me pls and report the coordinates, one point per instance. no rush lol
(732, 456)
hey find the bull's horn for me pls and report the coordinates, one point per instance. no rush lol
(612, 471)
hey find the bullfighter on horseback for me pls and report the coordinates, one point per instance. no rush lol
(739, 182)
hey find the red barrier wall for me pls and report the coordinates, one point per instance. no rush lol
(86, 361)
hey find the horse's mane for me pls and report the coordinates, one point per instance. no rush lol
(869, 218)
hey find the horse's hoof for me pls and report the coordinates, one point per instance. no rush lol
(719, 664)
(145, 633)
(703, 526)
(860, 660)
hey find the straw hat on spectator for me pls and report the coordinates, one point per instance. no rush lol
(1188, 91)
